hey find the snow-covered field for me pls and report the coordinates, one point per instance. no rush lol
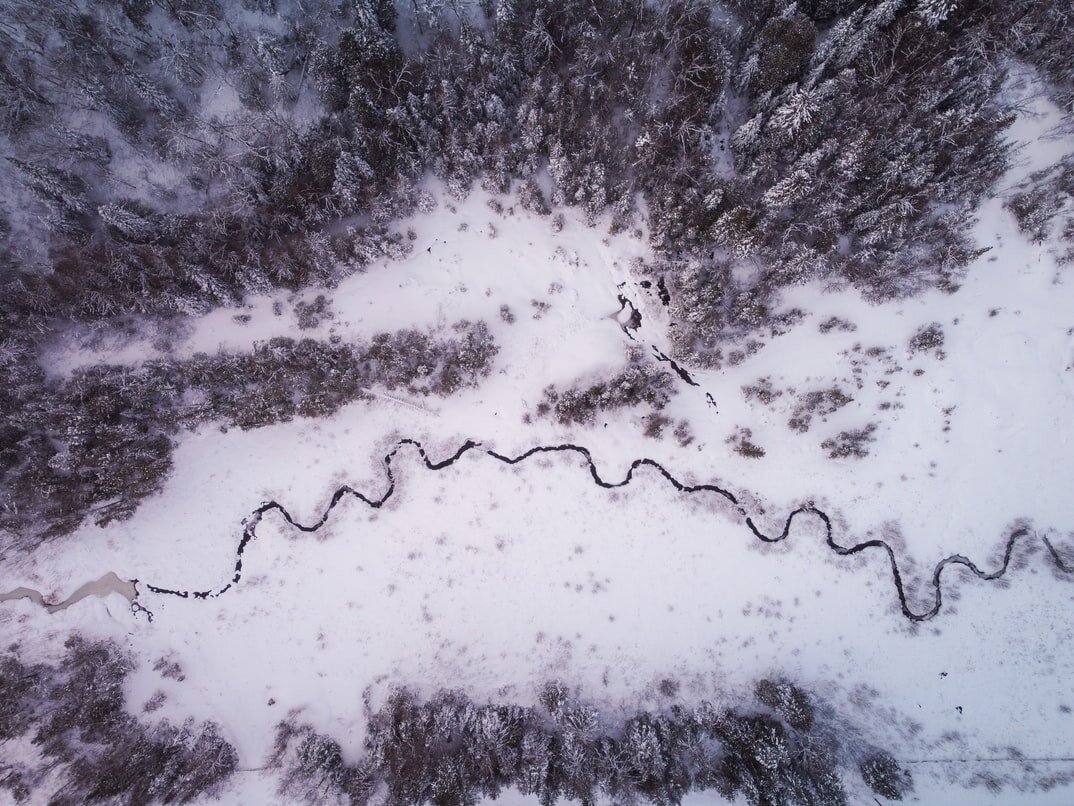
(495, 578)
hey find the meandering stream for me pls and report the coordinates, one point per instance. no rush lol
(112, 583)
(1020, 535)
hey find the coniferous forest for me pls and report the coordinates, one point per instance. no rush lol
(162, 161)
(833, 140)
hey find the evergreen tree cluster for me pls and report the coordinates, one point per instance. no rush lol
(75, 716)
(641, 383)
(97, 443)
(1044, 204)
(1042, 34)
(169, 156)
(451, 751)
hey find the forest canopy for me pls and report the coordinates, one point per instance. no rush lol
(162, 159)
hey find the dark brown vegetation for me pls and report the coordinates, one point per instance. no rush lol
(100, 441)
(451, 750)
(76, 717)
(640, 384)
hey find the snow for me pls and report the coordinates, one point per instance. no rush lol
(1007, 376)
(436, 285)
(494, 579)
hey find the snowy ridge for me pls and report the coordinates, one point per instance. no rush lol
(251, 522)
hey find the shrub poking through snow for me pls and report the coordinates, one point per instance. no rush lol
(928, 337)
(835, 323)
(311, 314)
(789, 701)
(882, 773)
(742, 442)
(853, 444)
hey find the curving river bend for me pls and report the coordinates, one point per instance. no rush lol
(112, 583)
(250, 523)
